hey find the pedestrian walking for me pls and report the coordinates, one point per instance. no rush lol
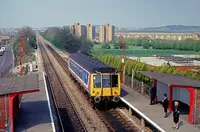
(176, 113)
(165, 104)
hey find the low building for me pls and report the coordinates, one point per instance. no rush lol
(167, 36)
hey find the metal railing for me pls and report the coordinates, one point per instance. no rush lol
(137, 86)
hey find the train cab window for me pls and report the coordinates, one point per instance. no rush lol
(106, 81)
(114, 80)
(97, 81)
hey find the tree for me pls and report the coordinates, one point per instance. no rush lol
(86, 44)
(63, 39)
(32, 40)
(117, 45)
(105, 46)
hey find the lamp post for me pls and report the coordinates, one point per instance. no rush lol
(123, 68)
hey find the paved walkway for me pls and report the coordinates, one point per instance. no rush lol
(153, 113)
(34, 113)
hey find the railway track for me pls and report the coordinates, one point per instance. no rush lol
(69, 119)
(113, 119)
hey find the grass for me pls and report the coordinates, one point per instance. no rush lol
(139, 51)
(98, 46)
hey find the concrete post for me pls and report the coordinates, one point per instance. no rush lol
(130, 111)
(31, 67)
(132, 77)
(142, 88)
(142, 123)
(124, 74)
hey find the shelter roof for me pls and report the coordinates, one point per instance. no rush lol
(17, 84)
(172, 79)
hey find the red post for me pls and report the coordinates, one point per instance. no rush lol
(11, 111)
(190, 119)
(20, 50)
(123, 72)
(155, 83)
(170, 97)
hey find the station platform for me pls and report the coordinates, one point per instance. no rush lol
(154, 114)
(35, 114)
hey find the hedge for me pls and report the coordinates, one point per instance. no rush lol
(115, 61)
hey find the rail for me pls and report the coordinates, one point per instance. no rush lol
(64, 105)
(109, 117)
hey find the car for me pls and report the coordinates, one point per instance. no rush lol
(1, 52)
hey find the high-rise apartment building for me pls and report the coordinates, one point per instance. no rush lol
(72, 29)
(106, 33)
(90, 31)
(78, 30)
(102, 34)
(82, 30)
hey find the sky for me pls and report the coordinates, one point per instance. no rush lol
(120, 13)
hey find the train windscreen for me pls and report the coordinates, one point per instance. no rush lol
(107, 81)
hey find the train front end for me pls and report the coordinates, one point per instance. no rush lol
(105, 87)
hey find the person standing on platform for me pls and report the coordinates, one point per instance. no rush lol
(165, 104)
(176, 113)
(152, 95)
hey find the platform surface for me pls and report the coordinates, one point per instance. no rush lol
(34, 113)
(154, 113)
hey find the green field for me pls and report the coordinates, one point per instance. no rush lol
(139, 51)
(98, 46)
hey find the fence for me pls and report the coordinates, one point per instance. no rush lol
(137, 85)
(141, 52)
(4, 72)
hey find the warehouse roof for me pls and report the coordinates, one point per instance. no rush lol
(172, 79)
(90, 64)
(18, 84)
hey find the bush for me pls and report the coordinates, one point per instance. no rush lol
(105, 46)
(115, 62)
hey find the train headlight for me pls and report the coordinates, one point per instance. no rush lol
(97, 93)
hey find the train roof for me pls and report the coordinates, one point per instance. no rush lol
(90, 64)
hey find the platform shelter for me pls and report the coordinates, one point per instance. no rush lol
(11, 90)
(179, 88)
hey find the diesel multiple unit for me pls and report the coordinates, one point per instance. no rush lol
(101, 82)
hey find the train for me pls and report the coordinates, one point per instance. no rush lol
(98, 80)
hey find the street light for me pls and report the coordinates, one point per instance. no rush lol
(123, 68)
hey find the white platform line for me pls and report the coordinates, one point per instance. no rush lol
(143, 115)
(47, 95)
(4, 56)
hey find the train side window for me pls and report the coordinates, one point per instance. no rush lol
(114, 80)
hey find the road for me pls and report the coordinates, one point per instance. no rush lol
(6, 59)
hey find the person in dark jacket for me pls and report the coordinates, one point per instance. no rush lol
(152, 95)
(165, 104)
(176, 113)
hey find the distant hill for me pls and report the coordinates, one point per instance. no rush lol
(168, 28)
(180, 28)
